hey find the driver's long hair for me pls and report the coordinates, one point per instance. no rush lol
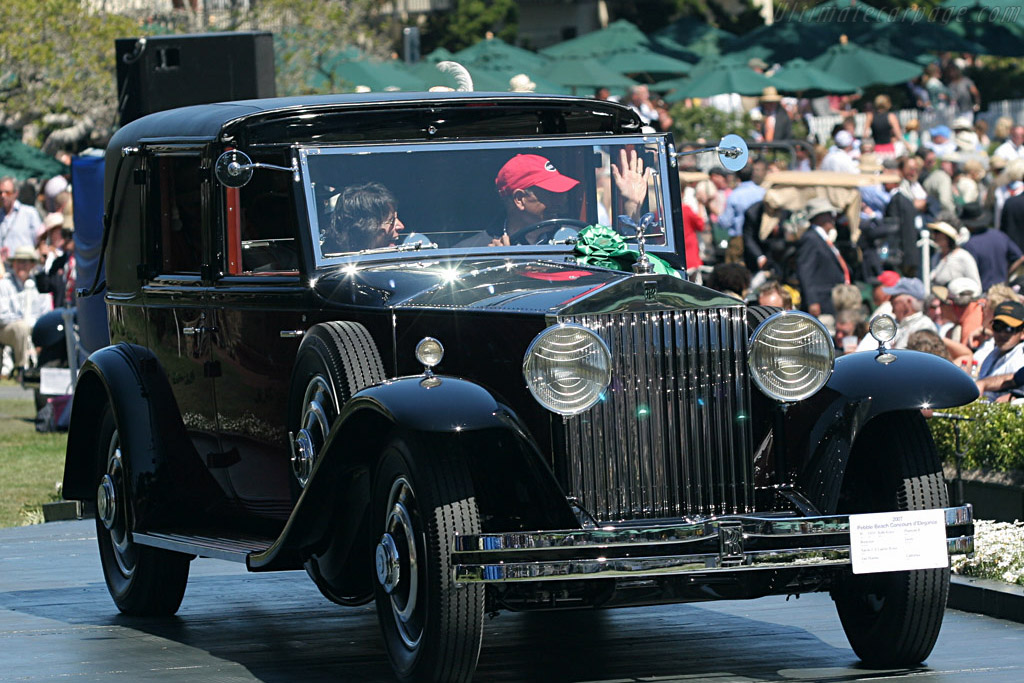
(359, 214)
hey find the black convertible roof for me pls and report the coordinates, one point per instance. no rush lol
(207, 121)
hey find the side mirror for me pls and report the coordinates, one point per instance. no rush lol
(235, 168)
(732, 152)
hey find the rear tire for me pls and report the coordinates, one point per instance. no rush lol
(143, 581)
(893, 619)
(432, 627)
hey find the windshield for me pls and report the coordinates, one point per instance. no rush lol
(513, 195)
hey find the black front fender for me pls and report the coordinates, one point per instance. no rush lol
(515, 487)
(819, 433)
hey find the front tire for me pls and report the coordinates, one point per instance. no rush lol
(893, 619)
(143, 581)
(432, 628)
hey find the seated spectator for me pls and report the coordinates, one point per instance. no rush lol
(951, 262)
(732, 279)
(20, 305)
(840, 158)
(1008, 355)
(927, 341)
(980, 340)
(962, 308)
(771, 293)
(908, 308)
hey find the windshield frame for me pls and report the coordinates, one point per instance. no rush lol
(660, 197)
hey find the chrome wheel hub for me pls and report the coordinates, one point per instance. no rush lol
(114, 515)
(318, 412)
(388, 567)
(106, 501)
(398, 567)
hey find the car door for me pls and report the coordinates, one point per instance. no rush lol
(259, 304)
(175, 290)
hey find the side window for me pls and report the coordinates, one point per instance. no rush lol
(267, 229)
(176, 211)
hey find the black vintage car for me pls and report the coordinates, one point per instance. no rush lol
(454, 412)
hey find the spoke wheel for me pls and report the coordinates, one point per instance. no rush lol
(432, 628)
(143, 581)
(892, 619)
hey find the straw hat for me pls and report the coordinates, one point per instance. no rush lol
(946, 229)
(770, 94)
(521, 83)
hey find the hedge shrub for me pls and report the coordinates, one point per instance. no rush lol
(993, 440)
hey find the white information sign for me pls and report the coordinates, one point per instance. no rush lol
(898, 541)
(55, 381)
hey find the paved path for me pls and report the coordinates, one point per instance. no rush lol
(57, 623)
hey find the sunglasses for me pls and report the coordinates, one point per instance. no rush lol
(1000, 326)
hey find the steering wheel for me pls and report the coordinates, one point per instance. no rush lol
(550, 225)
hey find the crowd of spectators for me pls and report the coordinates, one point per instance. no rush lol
(957, 187)
(37, 264)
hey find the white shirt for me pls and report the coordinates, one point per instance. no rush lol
(998, 363)
(911, 324)
(1009, 151)
(839, 160)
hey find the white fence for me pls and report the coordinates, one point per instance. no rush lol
(821, 126)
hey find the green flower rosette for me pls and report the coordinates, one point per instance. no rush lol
(599, 245)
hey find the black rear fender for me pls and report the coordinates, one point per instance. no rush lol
(168, 483)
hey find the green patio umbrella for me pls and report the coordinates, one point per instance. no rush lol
(22, 161)
(496, 78)
(863, 67)
(982, 24)
(376, 75)
(620, 35)
(910, 41)
(586, 74)
(439, 54)
(849, 12)
(692, 35)
(799, 76)
(645, 64)
(783, 41)
(729, 78)
(496, 50)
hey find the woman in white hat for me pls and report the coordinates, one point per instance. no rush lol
(950, 261)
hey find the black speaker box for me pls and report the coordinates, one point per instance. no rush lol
(163, 72)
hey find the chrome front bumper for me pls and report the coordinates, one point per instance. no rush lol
(733, 543)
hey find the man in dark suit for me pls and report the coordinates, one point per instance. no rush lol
(819, 265)
(1012, 219)
(903, 212)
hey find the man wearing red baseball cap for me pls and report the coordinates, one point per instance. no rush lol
(534, 191)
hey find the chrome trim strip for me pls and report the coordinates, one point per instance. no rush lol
(603, 568)
(611, 537)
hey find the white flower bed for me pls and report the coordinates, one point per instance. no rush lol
(998, 552)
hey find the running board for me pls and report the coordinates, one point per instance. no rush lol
(230, 548)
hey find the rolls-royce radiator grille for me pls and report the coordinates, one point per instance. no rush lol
(671, 436)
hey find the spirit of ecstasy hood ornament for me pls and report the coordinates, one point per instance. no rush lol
(643, 264)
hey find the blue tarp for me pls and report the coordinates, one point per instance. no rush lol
(87, 183)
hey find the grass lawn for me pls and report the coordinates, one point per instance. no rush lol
(31, 464)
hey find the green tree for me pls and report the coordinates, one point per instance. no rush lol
(312, 35)
(469, 22)
(57, 70)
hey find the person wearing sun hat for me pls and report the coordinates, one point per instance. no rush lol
(776, 124)
(819, 265)
(17, 292)
(950, 261)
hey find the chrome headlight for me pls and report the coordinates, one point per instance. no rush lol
(567, 368)
(791, 356)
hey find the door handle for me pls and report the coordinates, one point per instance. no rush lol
(292, 334)
(199, 329)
